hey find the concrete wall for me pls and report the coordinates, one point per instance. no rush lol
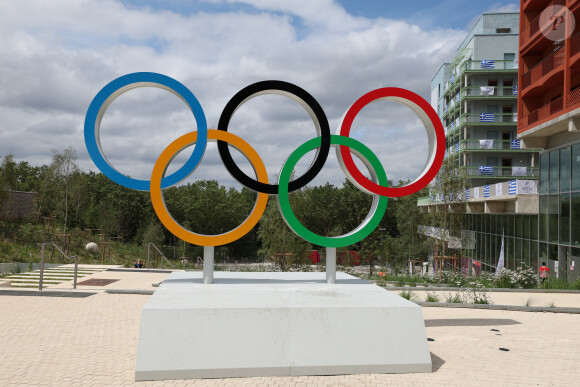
(495, 46)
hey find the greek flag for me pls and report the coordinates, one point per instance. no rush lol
(487, 64)
(432, 198)
(486, 191)
(452, 126)
(451, 196)
(446, 153)
(446, 108)
(487, 171)
(515, 144)
(512, 187)
(457, 147)
(457, 97)
(452, 78)
(486, 117)
(467, 194)
(515, 90)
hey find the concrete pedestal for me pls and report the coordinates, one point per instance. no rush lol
(277, 324)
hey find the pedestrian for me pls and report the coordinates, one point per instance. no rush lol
(139, 264)
(544, 271)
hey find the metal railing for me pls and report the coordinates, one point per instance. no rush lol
(548, 64)
(490, 144)
(476, 172)
(74, 258)
(471, 65)
(489, 118)
(534, 25)
(163, 257)
(481, 91)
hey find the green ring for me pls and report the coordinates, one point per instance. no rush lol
(361, 231)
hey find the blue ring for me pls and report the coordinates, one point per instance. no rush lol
(115, 88)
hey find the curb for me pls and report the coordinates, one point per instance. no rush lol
(498, 290)
(130, 291)
(501, 307)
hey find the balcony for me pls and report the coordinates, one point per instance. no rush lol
(546, 66)
(486, 171)
(486, 145)
(574, 47)
(488, 118)
(489, 92)
(535, 25)
(544, 112)
(489, 65)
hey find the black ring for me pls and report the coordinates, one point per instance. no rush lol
(289, 89)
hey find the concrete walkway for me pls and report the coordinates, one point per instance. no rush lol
(92, 340)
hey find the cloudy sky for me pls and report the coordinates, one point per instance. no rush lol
(56, 55)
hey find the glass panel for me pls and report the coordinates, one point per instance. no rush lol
(544, 176)
(565, 218)
(526, 226)
(565, 169)
(492, 224)
(510, 228)
(519, 225)
(518, 253)
(526, 252)
(554, 172)
(534, 255)
(575, 230)
(543, 253)
(544, 217)
(534, 227)
(553, 229)
(576, 167)
(509, 257)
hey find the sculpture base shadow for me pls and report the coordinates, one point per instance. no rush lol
(277, 324)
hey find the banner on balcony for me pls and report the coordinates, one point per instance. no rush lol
(498, 189)
(487, 90)
(515, 144)
(519, 171)
(515, 90)
(527, 187)
(487, 64)
(486, 191)
(452, 79)
(516, 64)
(485, 144)
(486, 117)
(486, 170)
(467, 194)
(457, 97)
(476, 193)
(513, 187)
(457, 147)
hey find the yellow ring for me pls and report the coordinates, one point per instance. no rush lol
(159, 204)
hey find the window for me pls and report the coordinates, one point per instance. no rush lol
(502, 30)
(544, 217)
(554, 156)
(544, 178)
(576, 168)
(553, 218)
(508, 82)
(492, 162)
(575, 230)
(565, 169)
(565, 218)
(492, 82)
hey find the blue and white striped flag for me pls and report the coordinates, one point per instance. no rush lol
(487, 64)
(452, 126)
(452, 78)
(432, 198)
(485, 170)
(515, 144)
(446, 153)
(457, 147)
(457, 97)
(486, 191)
(515, 90)
(451, 197)
(486, 117)
(446, 108)
(512, 187)
(467, 194)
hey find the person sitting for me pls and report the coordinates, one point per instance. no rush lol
(139, 264)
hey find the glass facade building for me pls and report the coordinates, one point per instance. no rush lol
(559, 219)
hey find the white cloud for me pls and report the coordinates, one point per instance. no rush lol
(498, 7)
(55, 57)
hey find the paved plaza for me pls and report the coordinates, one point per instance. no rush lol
(91, 339)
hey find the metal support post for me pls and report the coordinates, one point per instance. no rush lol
(41, 267)
(331, 265)
(208, 257)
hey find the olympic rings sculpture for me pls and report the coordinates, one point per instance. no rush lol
(376, 186)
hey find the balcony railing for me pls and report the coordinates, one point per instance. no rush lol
(545, 111)
(489, 118)
(486, 144)
(489, 91)
(549, 63)
(575, 44)
(489, 65)
(534, 26)
(573, 98)
(483, 171)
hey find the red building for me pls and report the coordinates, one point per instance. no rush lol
(549, 68)
(549, 118)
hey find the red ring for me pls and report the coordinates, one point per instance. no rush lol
(439, 133)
